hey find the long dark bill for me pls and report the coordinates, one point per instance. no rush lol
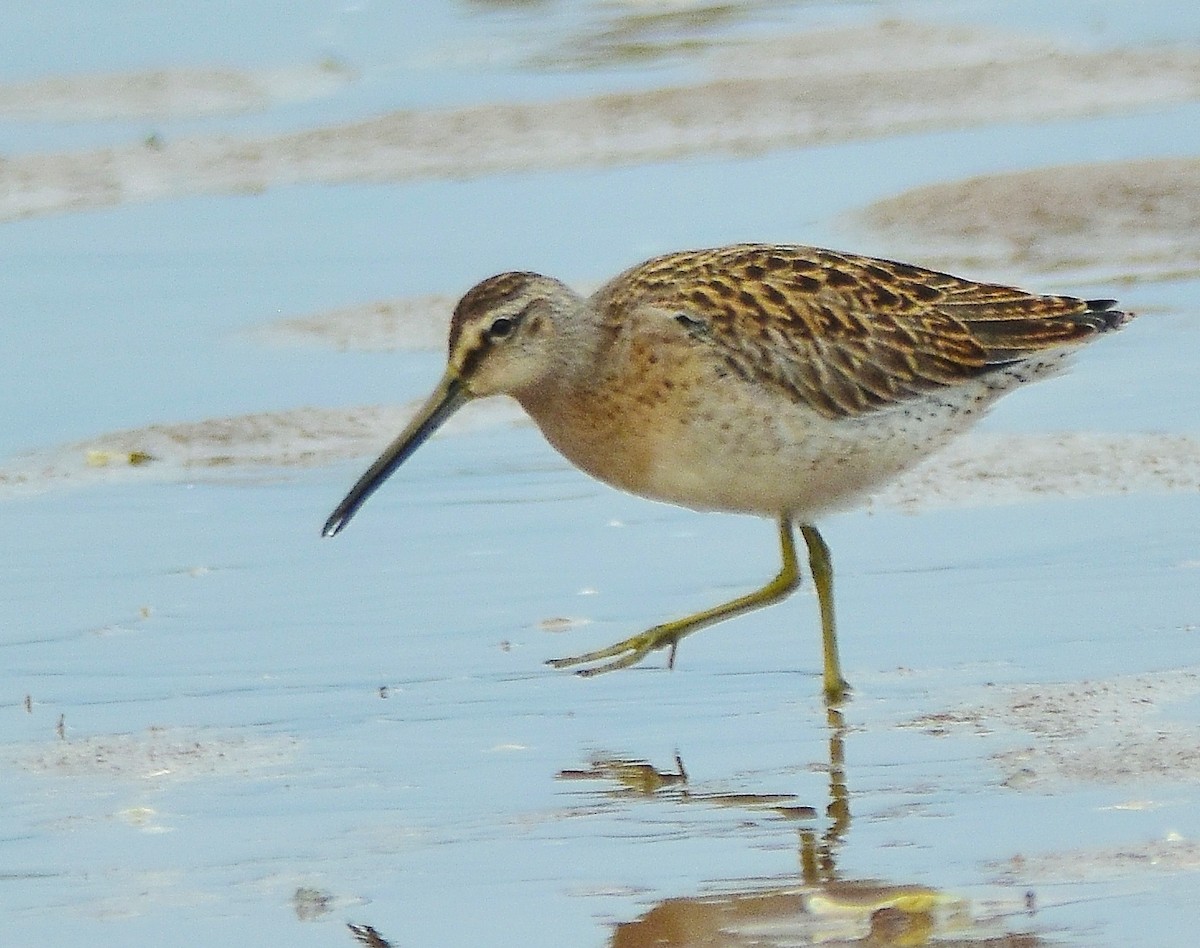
(447, 398)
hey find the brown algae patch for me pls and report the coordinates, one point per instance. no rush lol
(978, 470)
(1171, 853)
(409, 324)
(1108, 732)
(987, 470)
(1125, 220)
(154, 754)
(166, 93)
(860, 82)
(302, 437)
(1112, 733)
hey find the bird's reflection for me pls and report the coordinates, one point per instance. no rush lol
(818, 907)
(640, 778)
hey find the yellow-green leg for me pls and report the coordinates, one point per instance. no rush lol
(632, 650)
(835, 685)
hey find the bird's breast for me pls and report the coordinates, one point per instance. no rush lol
(679, 426)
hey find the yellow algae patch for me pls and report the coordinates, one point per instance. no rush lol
(98, 458)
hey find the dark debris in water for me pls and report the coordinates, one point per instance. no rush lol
(368, 936)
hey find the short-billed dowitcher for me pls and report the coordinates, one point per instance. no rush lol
(783, 381)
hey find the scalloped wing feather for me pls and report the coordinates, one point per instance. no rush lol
(846, 334)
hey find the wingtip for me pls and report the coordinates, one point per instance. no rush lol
(1105, 316)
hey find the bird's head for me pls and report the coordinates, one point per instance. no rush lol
(505, 330)
(503, 340)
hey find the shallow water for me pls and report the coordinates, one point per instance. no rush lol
(214, 722)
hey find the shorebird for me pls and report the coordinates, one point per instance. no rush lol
(778, 380)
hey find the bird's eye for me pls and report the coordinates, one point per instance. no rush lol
(501, 328)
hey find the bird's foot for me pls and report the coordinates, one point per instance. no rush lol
(625, 653)
(836, 689)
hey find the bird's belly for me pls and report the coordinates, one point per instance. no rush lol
(803, 470)
(731, 455)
